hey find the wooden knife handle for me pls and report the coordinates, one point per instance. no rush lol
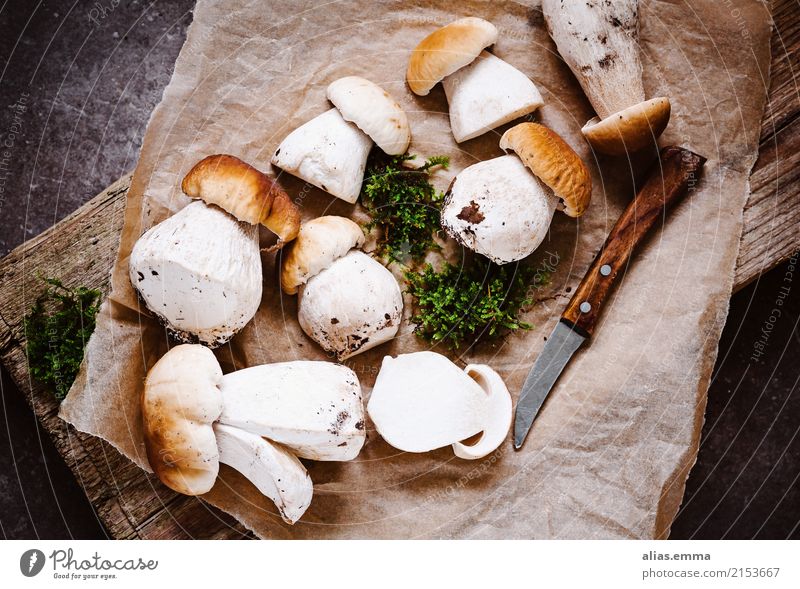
(668, 182)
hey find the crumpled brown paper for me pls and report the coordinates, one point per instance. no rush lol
(610, 452)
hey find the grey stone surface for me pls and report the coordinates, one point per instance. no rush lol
(90, 72)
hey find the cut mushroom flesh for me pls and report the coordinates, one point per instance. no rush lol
(353, 305)
(275, 472)
(199, 272)
(497, 418)
(313, 408)
(422, 401)
(329, 153)
(486, 94)
(498, 209)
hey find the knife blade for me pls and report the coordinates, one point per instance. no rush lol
(667, 183)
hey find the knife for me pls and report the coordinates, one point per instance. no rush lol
(668, 182)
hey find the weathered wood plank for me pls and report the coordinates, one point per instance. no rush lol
(771, 213)
(133, 504)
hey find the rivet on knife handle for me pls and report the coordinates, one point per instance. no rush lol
(667, 183)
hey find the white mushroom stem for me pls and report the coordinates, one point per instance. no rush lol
(499, 209)
(199, 272)
(498, 414)
(328, 152)
(486, 94)
(423, 401)
(313, 408)
(351, 306)
(275, 472)
(599, 41)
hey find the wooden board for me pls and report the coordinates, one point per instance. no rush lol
(81, 249)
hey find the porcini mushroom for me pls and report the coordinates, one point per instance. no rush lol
(330, 151)
(199, 271)
(192, 423)
(483, 91)
(599, 41)
(313, 408)
(422, 401)
(347, 301)
(502, 209)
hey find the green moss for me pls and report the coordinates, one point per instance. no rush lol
(57, 329)
(465, 304)
(404, 206)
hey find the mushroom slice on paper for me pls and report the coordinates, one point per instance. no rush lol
(329, 152)
(499, 209)
(347, 302)
(275, 472)
(199, 272)
(375, 112)
(497, 418)
(422, 401)
(312, 408)
(486, 94)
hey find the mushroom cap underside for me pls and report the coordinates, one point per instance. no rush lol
(630, 129)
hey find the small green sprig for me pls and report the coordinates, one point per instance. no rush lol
(471, 302)
(57, 328)
(404, 206)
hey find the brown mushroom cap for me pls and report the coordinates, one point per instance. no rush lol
(446, 50)
(629, 129)
(319, 243)
(246, 193)
(179, 403)
(554, 162)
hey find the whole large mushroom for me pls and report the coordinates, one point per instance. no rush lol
(196, 418)
(483, 91)
(599, 41)
(330, 151)
(422, 401)
(199, 271)
(347, 301)
(502, 208)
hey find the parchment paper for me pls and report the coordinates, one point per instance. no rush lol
(609, 454)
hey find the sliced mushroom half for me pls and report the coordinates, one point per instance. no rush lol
(422, 401)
